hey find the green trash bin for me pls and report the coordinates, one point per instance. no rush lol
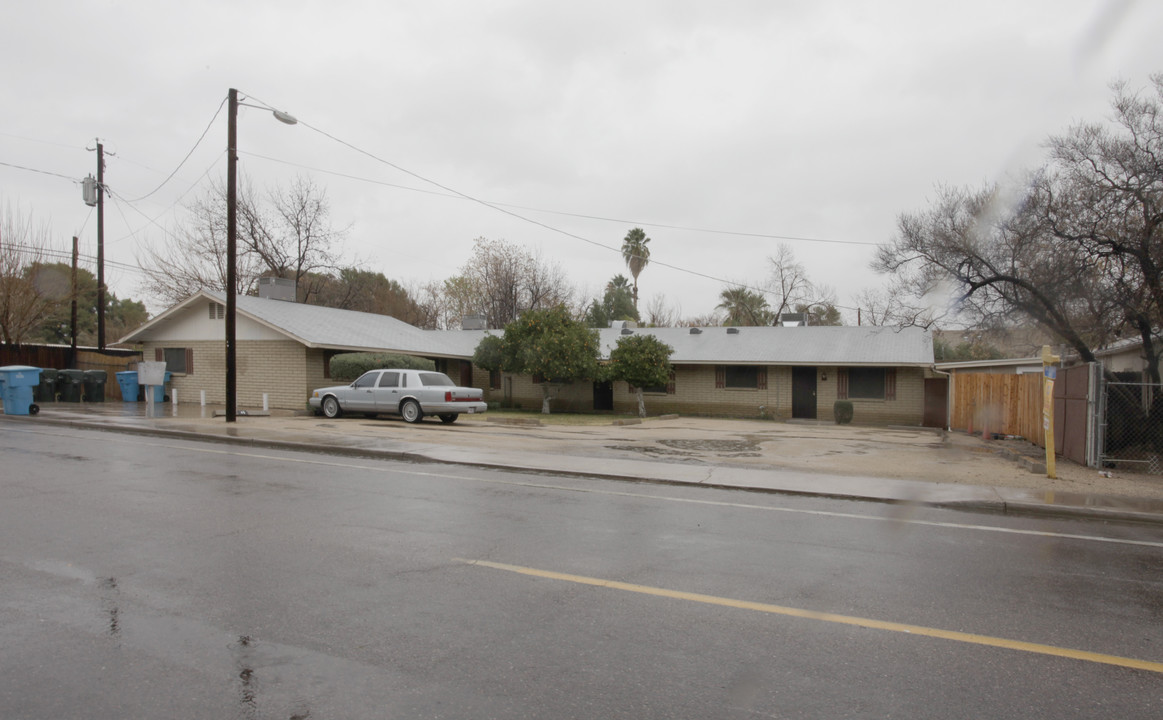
(94, 382)
(70, 384)
(46, 391)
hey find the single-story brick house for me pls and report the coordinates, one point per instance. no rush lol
(284, 350)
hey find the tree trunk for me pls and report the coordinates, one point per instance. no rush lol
(545, 399)
(641, 403)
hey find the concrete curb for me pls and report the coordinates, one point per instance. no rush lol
(1005, 501)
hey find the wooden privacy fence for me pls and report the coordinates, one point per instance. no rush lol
(61, 357)
(995, 403)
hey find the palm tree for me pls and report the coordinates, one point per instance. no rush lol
(636, 255)
(744, 307)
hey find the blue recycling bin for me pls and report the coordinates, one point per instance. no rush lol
(127, 381)
(16, 384)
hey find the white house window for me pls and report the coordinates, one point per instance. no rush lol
(217, 311)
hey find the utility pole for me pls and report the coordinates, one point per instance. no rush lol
(231, 252)
(100, 248)
(73, 310)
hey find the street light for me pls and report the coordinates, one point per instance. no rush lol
(232, 248)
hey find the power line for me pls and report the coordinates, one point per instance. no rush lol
(621, 221)
(500, 209)
(183, 162)
(68, 255)
(42, 172)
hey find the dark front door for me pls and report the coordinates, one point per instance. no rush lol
(604, 396)
(803, 393)
(936, 402)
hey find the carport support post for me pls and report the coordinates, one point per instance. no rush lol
(1049, 371)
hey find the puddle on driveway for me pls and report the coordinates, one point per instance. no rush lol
(694, 448)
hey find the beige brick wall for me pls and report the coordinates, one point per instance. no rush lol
(284, 369)
(288, 372)
(696, 394)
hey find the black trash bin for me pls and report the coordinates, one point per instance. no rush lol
(95, 385)
(69, 385)
(46, 391)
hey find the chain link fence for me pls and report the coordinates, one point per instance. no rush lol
(1132, 429)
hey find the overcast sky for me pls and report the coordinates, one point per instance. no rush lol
(719, 127)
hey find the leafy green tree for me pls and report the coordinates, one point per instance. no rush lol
(642, 361)
(637, 256)
(488, 353)
(552, 345)
(351, 288)
(55, 280)
(617, 304)
(745, 307)
(349, 366)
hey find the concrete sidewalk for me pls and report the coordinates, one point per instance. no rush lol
(741, 455)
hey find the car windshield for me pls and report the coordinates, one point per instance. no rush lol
(433, 379)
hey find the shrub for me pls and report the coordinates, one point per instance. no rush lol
(843, 412)
(349, 366)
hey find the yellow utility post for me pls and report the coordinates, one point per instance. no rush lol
(1049, 372)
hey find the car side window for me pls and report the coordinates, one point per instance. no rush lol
(403, 379)
(367, 380)
(390, 379)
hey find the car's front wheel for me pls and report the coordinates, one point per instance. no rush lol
(449, 418)
(410, 411)
(331, 407)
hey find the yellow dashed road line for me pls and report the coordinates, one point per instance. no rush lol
(832, 618)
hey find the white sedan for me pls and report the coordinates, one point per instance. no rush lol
(411, 394)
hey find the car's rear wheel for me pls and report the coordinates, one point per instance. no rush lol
(331, 407)
(410, 411)
(449, 418)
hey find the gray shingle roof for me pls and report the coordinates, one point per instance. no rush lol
(335, 329)
(809, 345)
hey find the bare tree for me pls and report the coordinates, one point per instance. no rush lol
(287, 234)
(196, 258)
(294, 237)
(660, 314)
(1077, 249)
(891, 306)
(25, 304)
(500, 281)
(1102, 198)
(788, 283)
(995, 250)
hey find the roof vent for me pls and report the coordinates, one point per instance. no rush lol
(473, 322)
(627, 331)
(275, 288)
(732, 331)
(696, 331)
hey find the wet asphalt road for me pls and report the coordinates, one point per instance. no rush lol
(149, 578)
